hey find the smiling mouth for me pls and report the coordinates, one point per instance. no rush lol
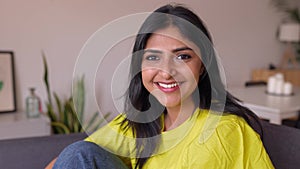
(169, 85)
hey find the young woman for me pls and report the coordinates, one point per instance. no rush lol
(178, 113)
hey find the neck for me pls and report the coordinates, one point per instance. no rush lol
(179, 114)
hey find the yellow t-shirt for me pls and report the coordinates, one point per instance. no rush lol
(205, 140)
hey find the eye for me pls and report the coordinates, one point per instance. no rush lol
(183, 57)
(151, 57)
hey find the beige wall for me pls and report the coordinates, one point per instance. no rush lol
(243, 32)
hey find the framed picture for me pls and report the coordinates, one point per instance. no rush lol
(7, 82)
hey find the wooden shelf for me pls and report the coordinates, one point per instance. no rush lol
(290, 75)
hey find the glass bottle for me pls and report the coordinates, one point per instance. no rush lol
(33, 104)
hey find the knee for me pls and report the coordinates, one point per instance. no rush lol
(77, 152)
(81, 147)
(83, 154)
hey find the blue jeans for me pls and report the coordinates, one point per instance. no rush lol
(87, 155)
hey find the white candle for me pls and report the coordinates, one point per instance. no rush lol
(287, 88)
(279, 86)
(271, 86)
(279, 76)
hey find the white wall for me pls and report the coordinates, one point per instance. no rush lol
(243, 32)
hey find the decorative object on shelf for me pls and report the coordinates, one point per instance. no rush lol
(291, 14)
(7, 82)
(33, 104)
(277, 86)
(69, 116)
(289, 33)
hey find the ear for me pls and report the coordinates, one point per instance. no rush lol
(202, 68)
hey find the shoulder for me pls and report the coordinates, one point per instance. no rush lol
(227, 121)
(232, 137)
(226, 127)
(236, 125)
(220, 119)
(229, 132)
(234, 122)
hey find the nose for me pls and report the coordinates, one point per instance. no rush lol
(168, 70)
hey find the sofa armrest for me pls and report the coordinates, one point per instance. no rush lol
(34, 152)
(282, 144)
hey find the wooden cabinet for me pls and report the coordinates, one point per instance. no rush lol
(290, 75)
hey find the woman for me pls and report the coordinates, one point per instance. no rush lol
(174, 107)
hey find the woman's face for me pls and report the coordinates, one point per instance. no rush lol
(171, 67)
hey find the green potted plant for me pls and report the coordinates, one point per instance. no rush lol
(68, 117)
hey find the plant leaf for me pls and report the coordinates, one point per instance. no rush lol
(1, 85)
(60, 111)
(68, 115)
(46, 78)
(61, 126)
(51, 113)
(79, 98)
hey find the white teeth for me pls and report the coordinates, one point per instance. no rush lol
(168, 86)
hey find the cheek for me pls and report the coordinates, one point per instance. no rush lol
(148, 76)
(194, 74)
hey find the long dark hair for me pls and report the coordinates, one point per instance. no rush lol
(210, 85)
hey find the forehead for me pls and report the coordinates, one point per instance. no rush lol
(168, 39)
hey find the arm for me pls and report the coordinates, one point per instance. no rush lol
(51, 164)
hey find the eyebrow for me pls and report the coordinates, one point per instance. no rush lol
(173, 51)
(180, 49)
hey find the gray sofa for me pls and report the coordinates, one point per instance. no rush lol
(281, 142)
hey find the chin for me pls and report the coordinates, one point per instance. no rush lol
(170, 104)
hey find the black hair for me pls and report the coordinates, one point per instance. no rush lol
(210, 85)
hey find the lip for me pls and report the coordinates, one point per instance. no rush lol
(168, 87)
